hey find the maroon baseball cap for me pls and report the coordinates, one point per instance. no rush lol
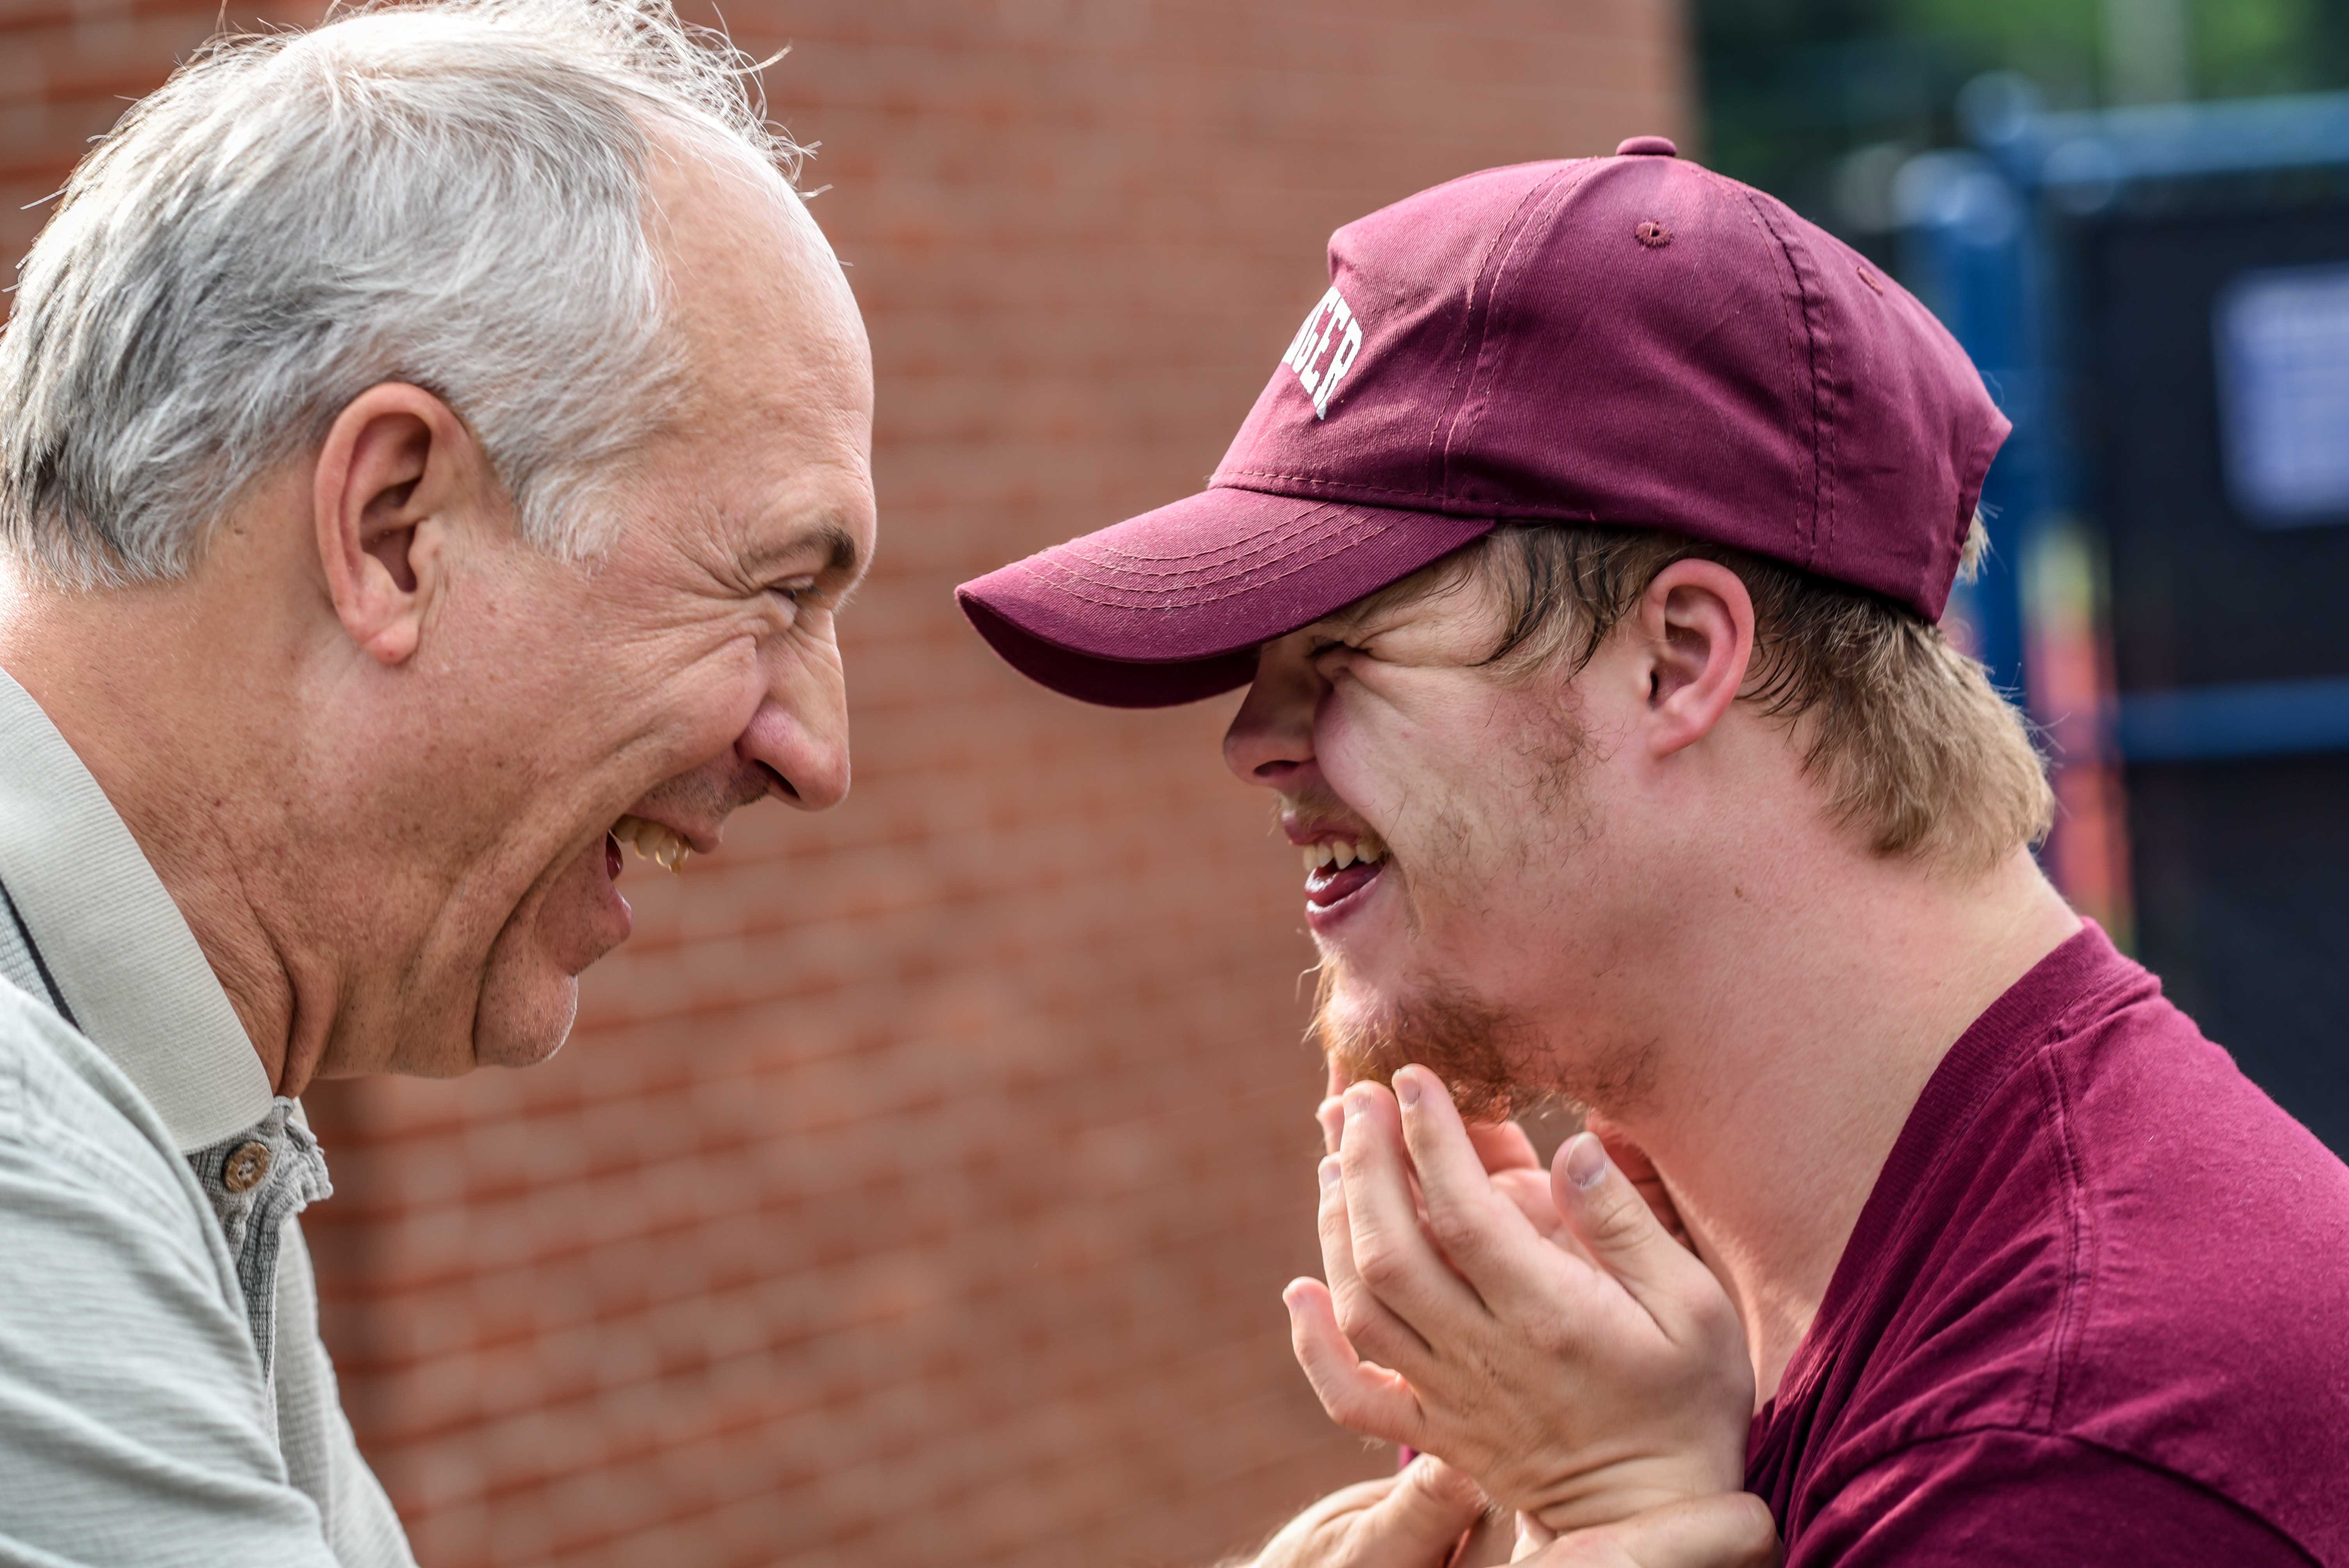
(1627, 340)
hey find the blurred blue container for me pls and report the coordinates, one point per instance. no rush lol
(2160, 299)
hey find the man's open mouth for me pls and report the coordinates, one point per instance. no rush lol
(649, 840)
(1337, 869)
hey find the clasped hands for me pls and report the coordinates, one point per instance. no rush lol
(1540, 1334)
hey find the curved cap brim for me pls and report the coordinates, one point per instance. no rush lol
(1170, 607)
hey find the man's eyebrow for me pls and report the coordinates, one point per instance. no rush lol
(838, 546)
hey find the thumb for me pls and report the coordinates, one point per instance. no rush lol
(1421, 1519)
(1608, 1214)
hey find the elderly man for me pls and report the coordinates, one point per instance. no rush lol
(432, 449)
(1582, 561)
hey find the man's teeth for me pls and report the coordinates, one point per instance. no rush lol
(1343, 852)
(652, 840)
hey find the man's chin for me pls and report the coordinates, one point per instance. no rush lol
(1467, 1043)
(522, 1022)
(530, 984)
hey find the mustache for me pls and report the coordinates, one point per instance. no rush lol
(1313, 805)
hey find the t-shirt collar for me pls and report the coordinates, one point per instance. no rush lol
(116, 947)
(2008, 1030)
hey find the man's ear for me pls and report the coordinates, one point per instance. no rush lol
(397, 463)
(1696, 621)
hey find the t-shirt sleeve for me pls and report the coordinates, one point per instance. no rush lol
(2024, 1500)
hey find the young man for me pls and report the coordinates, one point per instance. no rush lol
(1583, 561)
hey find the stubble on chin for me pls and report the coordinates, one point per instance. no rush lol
(1497, 1063)
(1466, 1043)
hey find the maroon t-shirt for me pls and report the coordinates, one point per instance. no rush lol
(2096, 1311)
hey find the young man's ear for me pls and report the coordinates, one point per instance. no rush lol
(1696, 620)
(395, 464)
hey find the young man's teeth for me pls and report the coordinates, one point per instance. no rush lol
(1343, 852)
(652, 840)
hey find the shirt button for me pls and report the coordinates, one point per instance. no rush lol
(247, 1163)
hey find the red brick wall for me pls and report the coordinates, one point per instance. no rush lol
(920, 1182)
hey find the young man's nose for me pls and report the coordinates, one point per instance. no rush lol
(1271, 737)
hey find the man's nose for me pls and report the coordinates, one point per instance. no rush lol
(1271, 737)
(799, 740)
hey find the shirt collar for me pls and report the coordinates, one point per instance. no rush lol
(116, 944)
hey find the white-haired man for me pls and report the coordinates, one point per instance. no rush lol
(432, 450)
(1582, 561)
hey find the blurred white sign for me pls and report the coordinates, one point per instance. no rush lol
(2284, 389)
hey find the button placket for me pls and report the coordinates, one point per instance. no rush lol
(258, 1180)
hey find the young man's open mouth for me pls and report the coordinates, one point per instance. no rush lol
(1338, 869)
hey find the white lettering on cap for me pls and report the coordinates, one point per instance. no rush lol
(1331, 330)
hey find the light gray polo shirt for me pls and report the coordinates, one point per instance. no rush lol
(164, 1395)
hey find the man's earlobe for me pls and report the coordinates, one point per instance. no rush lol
(1698, 622)
(394, 461)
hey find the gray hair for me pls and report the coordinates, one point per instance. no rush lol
(452, 195)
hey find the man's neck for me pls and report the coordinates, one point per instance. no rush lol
(1804, 1045)
(132, 678)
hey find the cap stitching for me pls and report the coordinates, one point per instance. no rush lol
(1827, 430)
(1326, 479)
(1514, 509)
(1793, 366)
(1214, 598)
(1294, 527)
(1439, 461)
(1121, 578)
(1561, 193)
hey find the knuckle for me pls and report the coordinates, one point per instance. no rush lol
(1382, 1266)
(1357, 1316)
(1458, 1231)
(1620, 1213)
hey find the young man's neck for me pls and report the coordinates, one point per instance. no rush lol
(1808, 1034)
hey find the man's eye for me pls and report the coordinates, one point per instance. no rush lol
(1331, 644)
(795, 592)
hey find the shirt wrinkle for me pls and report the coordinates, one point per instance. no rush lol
(2050, 1258)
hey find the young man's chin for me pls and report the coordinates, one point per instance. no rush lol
(1371, 1035)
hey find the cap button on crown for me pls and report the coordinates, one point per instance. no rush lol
(1650, 146)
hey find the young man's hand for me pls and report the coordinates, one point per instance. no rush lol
(1581, 1376)
(1415, 1519)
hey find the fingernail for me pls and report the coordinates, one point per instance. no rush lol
(1586, 1161)
(1406, 1088)
(1330, 1169)
(1353, 1106)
